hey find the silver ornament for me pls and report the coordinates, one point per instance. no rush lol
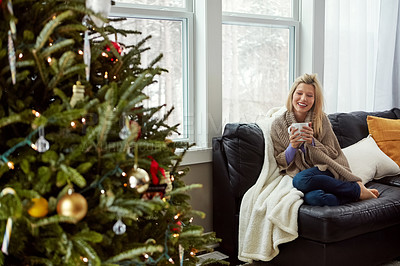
(119, 227)
(42, 145)
(125, 132)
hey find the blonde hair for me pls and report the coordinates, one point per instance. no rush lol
(318, 105)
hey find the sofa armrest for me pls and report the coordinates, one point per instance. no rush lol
(244, 148)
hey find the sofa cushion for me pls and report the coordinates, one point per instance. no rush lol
(390, 180)
(368, 162)
(386, 133)
(352, 127)
(332, 224)
(244, 149)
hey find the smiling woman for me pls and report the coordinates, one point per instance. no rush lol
(309, 86)
(313, 157)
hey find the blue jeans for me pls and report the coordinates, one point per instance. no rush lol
(322, 188)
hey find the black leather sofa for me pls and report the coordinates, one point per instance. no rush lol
(360, 233)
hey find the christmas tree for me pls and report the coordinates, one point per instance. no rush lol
(88, 175)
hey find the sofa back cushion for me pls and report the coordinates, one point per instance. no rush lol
(352, 127)
(244, 150)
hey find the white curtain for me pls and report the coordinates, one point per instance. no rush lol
(362, 45)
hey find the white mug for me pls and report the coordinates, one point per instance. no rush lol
(299, 126)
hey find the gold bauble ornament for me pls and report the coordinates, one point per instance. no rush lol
(139, 179)
(40, 208)
(72, 205)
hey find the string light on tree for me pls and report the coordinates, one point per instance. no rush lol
(36, 113)
(10, 165)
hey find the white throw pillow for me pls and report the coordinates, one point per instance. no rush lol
(368, 162)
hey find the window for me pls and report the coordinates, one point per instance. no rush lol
(258, 40)
(170, 36)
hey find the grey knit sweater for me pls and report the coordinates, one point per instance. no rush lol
(326, 154)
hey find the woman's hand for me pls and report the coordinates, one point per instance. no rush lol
(294, 138)
(307, 133)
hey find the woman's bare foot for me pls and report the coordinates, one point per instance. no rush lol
(375, 191)
(366, 193)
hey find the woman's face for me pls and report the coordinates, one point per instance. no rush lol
(303, 99)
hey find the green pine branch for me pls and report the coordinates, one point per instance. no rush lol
(134, 253)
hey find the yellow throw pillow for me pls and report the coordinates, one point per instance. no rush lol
(386, 133)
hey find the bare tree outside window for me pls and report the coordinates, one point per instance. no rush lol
(279, 8)
(256, 60)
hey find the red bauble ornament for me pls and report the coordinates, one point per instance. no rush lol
(177, 227)
(116, 45)
(108, 54)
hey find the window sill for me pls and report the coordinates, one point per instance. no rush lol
(197, 155)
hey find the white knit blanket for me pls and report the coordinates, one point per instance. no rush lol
(269, 209)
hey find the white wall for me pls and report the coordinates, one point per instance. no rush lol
(311, 44)
(201, 199)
